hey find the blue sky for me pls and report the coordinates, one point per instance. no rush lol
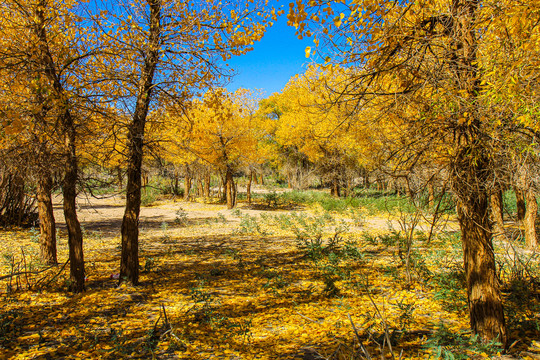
(274, 60)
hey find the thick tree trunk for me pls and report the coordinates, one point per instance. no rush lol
(484, 297)
(497, 213)
(229, 189)
(47, 226)
(529, 221)
(129, 264)
(520, 204)
(248, 187)
(471, 174)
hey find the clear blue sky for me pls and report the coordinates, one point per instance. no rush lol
(274, 60)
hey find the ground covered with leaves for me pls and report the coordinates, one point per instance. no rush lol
(266, 281)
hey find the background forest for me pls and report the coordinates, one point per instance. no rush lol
(383, 204)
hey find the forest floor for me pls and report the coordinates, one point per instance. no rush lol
(257, 282)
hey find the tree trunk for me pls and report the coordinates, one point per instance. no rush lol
(484, 297)
(520, 204)
(529, 221)
(187, 184)
(336, 189)
(497, 213)
(75, 239)
(207, 180)
(200, 182)
(255, 179)
(176, 181)
(471, 174)
(431, 193)
(129, 264)
(47, 226)
(119, 177)
(248, 187)
(262, 179)
(229, 189)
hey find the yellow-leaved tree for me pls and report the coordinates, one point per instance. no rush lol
(220, 129)
(431, 66)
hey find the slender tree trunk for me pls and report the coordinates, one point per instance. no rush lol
(229, 188)
(289, 180)
(336, 189)
(262, 179)
(187, 184)
(520, 203)
(255, 179)
(75, 239)
(529, 221)
(207, 179)
(129, 264)
(431, 193)
(176, 181)
(497, 213)
(47, 226)
(200, 182)
(221, 192)
(248, 187)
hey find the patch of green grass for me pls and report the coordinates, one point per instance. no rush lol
(373, 202)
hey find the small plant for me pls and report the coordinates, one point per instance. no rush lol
(149, 265)
(250, 225)
(8, 325)
(181, 217)
(450, 345)
(34, 235)
(271, 199)
(220, 218)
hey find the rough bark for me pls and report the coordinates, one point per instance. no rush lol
(471, 175)
(75, 239)
(484, 297)
(520, 204)
(529, 220)
(129, 264)
(497, 213)
(47, 226)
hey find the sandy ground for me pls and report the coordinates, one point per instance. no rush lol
(104, 214)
